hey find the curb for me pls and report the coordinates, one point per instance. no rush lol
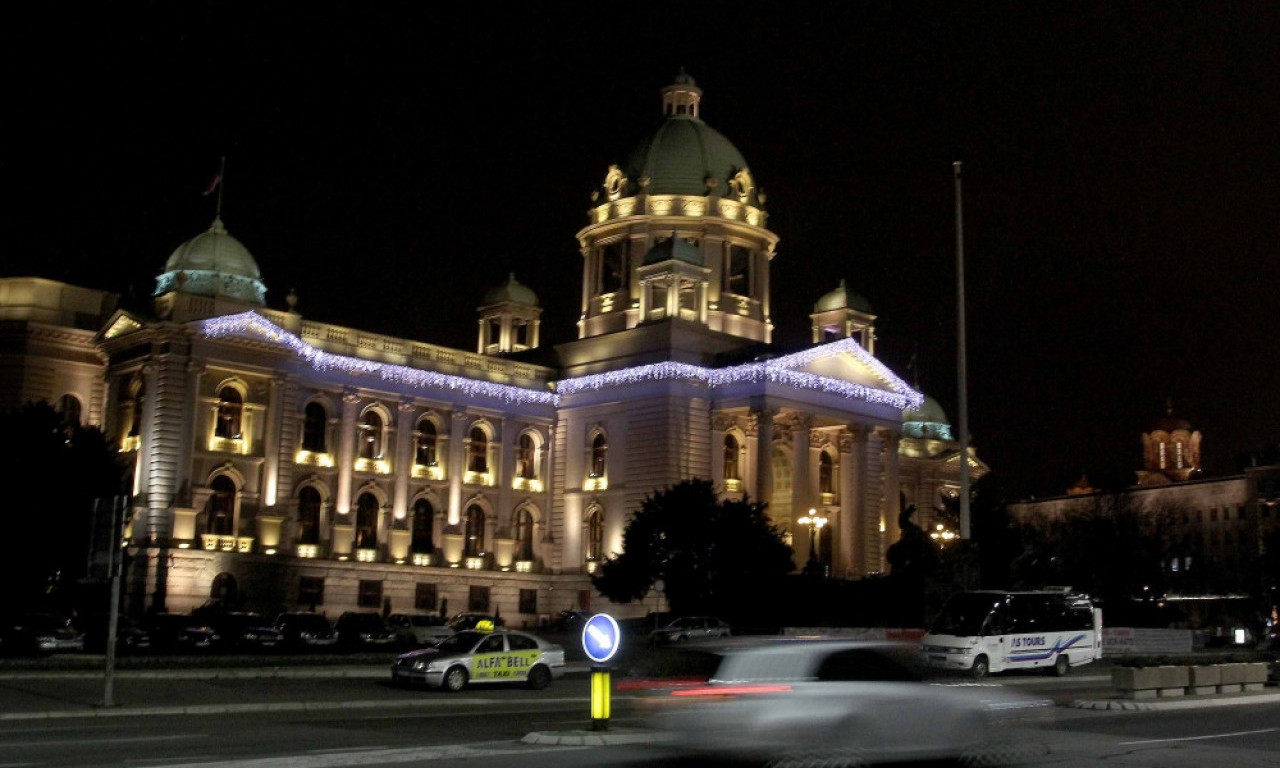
(1128, 705)
(591, 738)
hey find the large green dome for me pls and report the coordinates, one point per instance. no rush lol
(213, 263)
(682, 155)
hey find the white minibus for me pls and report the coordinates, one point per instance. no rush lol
(991, 631)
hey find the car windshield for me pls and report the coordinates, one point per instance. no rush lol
(964, 614)
(461, 642)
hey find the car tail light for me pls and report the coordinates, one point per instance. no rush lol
(732, 690)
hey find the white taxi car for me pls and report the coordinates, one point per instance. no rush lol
(476, 656)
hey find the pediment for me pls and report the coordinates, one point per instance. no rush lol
(120, 324)
(846, 360)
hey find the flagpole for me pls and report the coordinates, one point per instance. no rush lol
(963, 416)
(222, 183)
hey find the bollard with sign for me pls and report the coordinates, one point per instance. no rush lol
(600, 640)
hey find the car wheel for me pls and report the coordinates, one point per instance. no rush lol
(455, 679)
(1061, 665)
(539, 677)
(981, 668)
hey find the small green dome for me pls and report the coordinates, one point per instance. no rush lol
(675, 248)
(510, 291)
(214, 264)
(842, 298)
(927, 421)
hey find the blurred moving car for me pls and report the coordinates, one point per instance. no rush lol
(470, 619)
(179, 633)
(39, 633)
(569, 621)
(247, 631)
(690, 628)
(471, 657)
(305, 631)
(417, 629)
(839, 701)
(364, 631)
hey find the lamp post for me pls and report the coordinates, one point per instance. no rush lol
(815, 522)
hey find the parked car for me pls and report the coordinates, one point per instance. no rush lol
(364, 631)
(306, 631)
(180, 633)
(829, 702)
(39, 634)
(247, 631)
(418, 629)
(470, 619)
(569, 621)
(471, 657)
(690, 628)
(131, 636)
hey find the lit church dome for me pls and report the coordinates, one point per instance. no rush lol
(213, 264)
(685, 156)
(927, 421)
(842, 298)
(511, 291)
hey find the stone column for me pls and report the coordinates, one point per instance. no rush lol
(402, 467)
(505, 466)
(457, 464)
(719, 426)
(762, 485)
(849, 534)
(801, 485)
(343, 522)
(271, 425)
(889, 443)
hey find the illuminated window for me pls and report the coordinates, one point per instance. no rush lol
(222, 506)
(473, 545)
(424, 516)
(230, 408)
(522, 532)
(315, 422)
(1162, 460)
(478, 451)
(730, 457)
(595, 535)
(599, 451)
(613, 263)
(425, 452)
(826, 482)
(737, 274)
(367, 521)
(1178, 454)
(371, 436)
(309, 503)
(526, 457)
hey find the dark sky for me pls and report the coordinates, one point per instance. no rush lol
(391, 162)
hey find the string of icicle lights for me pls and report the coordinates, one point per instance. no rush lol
(779, 370)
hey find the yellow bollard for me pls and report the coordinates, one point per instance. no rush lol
(600, 691)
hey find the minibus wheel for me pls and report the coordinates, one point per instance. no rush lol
(981, 668)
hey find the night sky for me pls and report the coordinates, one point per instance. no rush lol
(391, 162)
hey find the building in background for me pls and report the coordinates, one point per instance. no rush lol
(283, 462)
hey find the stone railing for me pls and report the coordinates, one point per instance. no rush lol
(1173, 680)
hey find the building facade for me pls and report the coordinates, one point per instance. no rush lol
(284, 462)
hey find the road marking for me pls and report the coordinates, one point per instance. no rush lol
(1200, 738)
(343, 758)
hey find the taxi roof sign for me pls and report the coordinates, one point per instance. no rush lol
(601, 637)
(484, 626)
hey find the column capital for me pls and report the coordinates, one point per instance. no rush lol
(350, 396)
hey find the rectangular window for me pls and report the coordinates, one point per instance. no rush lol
(370, 595)
(528, 601)
(478, 599)
(311, 591)
(424, 597)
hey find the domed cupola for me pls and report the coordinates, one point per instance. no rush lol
(1170, 450)
(928, 421)
(682, 177)
(509, 318)
(843, 314)
(216, 265)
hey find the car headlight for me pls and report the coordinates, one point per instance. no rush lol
(434, 666)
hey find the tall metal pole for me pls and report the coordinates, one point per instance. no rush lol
(113, 611)
(963, 416)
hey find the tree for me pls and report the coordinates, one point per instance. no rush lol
(52, 471)
(713, 556)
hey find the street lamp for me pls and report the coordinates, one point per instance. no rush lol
(815, 523)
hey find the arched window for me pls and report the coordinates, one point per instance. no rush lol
(526, 458)
(826, 480)
(599, 450)
(595, 535)
(473, 545)
(309, 503)
(730, 457)
(522, 532)
(230, 408)
(69, 410)
(367, 521)
(315, 422)
(424, 517)
(425, 448)
(478, 450)
(371, 435)
(222, 506)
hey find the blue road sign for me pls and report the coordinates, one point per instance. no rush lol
(600, 637)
